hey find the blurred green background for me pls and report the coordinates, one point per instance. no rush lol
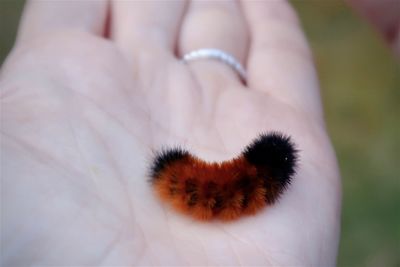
(360, 86)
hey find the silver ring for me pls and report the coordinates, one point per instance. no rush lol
(212, 53)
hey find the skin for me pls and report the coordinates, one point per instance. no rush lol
(82, 113)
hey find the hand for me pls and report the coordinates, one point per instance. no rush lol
(82, 113)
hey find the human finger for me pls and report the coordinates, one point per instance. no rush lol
(280, 62)
(45, 16)
(146, 25)
(219, 25)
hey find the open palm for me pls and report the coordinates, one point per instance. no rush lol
(81, 116)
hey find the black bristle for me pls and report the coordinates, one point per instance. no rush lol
(275, 154)
(191, 186)
(246, 186)
(164, 158)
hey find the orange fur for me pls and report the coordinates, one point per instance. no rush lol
(172, 186)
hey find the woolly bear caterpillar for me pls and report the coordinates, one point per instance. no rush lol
(227, 190)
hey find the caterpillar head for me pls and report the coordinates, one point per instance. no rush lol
(275, 154)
